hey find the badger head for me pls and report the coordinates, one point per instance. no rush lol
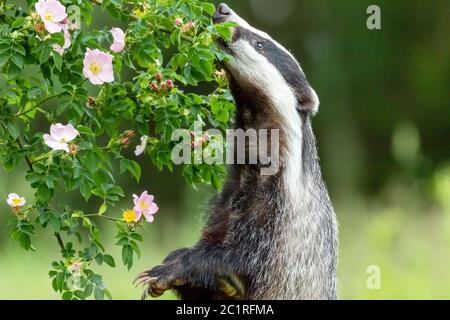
(261, 62)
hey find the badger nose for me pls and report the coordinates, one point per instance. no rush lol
(223, 9)
(223, 13)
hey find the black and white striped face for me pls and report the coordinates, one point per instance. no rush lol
(262, 62)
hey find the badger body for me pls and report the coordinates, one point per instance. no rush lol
(267, 236)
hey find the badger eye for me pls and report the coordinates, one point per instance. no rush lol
(260, 45)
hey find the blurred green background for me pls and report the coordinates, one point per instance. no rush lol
(383, 132)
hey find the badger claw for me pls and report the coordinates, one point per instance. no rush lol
(157, 281)
(231, 286)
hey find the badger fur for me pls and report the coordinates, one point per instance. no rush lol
(267, 237)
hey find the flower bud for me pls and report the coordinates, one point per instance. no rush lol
(39, 27)
(159, 76)
(178, 21)
(91, 101)
(155, 86)
(220, 74)
(129, 133)
(188, 27)
(125, 141)
(75, 266)
(205, 139)
(35, 16)
(170, 84)
(73, 27)
(73, 149)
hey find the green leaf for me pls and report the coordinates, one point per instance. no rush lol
(44, 193)
(85, 190)
(24, 240)
(55, 222)
(18, 22)
(132, 166)
(109, 260)
(18, 60)
(60, 281)
(98, 294)
(77, 214)
(127, 256)
(57, 58)
(87, 223)
(13, 129)
(88, 290)
(123, 241)
(4, 58)
(103, 209)
(45, 55)
(67, 295)
(209, 8)
(85, 130)
(137, 237)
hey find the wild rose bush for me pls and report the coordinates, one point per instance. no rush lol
(101, 92)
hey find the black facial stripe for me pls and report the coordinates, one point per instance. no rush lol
(284, 62)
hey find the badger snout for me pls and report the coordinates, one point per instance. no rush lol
(223, 13)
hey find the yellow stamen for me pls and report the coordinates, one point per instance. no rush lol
(95, 68)
(144, 205)
(17, 201)
(48, 16)
(129, 216)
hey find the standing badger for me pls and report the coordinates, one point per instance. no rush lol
(267, 237)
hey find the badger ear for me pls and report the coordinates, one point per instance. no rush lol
(308, 101)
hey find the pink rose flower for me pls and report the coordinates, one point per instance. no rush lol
(144, 205)
(52, 13)
(67, 41)
(59, 136)
(119, 40)
(15, 201)
(98, 67)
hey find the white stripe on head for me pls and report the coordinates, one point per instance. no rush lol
(244, 24)
(248, 66)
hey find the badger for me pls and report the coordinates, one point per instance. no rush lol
(266, 237)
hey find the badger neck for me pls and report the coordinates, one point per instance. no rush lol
(298, 159)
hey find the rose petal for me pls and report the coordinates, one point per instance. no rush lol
(153, 208)
(138, 216)
(70, 133)
(57, 131)
(52, 27)
(54, 144)
(117, 47)
(149, 218)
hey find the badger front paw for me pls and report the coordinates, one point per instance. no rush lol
(160, 279)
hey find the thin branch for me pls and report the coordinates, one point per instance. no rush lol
(60, 241)
(30, 164)
(104, 217)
